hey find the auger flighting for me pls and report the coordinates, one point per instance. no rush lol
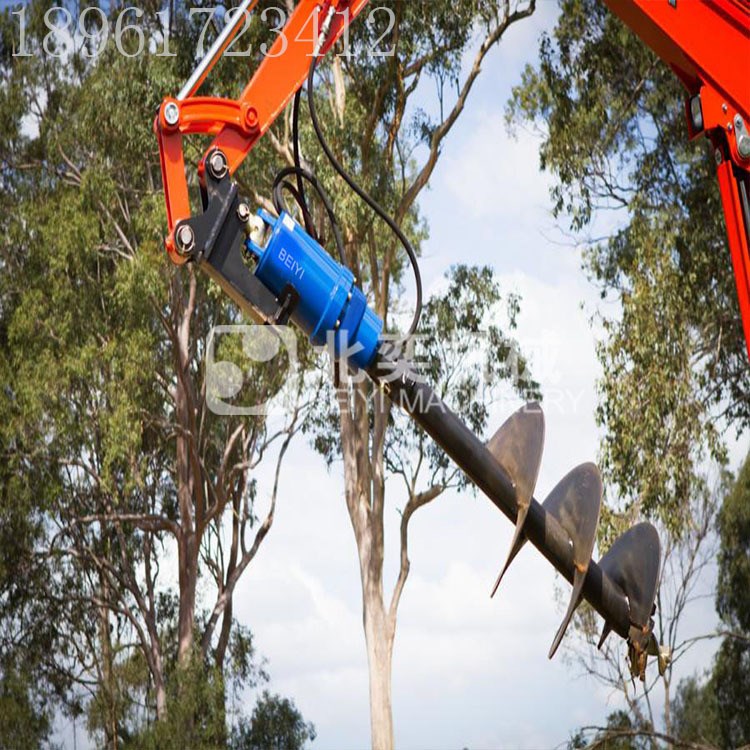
(575, 502)
(622, 587)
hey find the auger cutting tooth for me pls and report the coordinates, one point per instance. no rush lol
(517, 446)
(576, 502)
(663, 654)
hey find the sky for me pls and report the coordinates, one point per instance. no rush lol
(468, 671)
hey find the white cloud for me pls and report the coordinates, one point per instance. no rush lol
(495, 175)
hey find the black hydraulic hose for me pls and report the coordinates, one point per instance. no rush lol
(368, 199)
(302, 199)
(302, 174)
(278, 202)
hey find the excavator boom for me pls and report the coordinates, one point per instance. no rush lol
(707, 45)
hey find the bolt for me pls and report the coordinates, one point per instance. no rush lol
(729, 127)
(255, 228)
(251, 119)
(743, 145)
(738, 124)
(243, 213)
(338, 325)
(185, 238)
(171, 113)
(717, 156)
(724, 108)
(217, 164)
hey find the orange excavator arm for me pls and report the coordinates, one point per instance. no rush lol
(707, 45)
(238, 124)
(705, 42)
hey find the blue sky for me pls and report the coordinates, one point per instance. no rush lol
(468, 671)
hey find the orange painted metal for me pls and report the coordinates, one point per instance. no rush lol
(707, 44)
(703, 41)
(738, 242)
(284, 70)
(239, 124)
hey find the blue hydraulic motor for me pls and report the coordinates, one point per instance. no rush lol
(329, 300)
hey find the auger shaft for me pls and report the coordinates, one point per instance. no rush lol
(408, 391)
(272, 294)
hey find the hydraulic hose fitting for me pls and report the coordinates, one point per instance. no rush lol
(329, 300)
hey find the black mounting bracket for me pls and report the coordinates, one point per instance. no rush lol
(217, 249)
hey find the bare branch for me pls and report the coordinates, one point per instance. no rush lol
(438, 136)
(415, 502)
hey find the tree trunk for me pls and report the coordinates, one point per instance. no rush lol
(161, 696)
(188, 564)
(365, 495)
(108, 678)
(667, 705)
(188, 479)
(379, 657)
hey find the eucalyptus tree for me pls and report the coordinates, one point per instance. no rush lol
(675, 375)
(730, 677)
(708, 709)
(104, 344)
(106, 430)
(652, 709)
(275, 723)
(675, 382)
(368, 96)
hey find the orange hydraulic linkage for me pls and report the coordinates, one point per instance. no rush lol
(239, 124)
(707, 44)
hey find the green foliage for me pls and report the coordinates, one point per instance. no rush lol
(733, 594)
(90, 316)
(469, 356)
(620, 733)
(88, 311)
(276, 724)
(197, 691)
(675, 376)
(25, 720)
(614, 137)
(120, 697)
(731, 683)
(29, 682)
(731, 675)
(717, 709)
(695, 712)
(196, 716)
